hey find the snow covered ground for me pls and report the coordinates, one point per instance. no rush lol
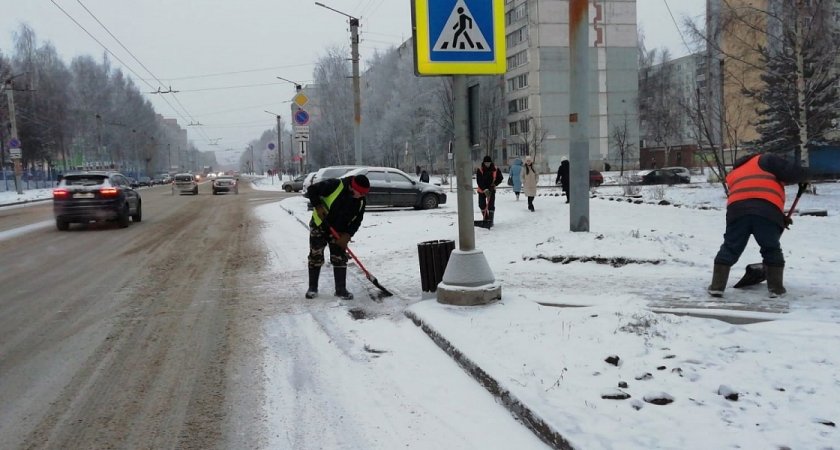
(570, 301)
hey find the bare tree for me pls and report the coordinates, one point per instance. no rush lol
(621, 137)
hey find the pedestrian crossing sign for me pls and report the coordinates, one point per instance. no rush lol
(459, 37)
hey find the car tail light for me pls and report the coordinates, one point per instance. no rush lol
(61, 193)
(109, 192)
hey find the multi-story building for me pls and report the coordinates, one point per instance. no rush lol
(537, 78)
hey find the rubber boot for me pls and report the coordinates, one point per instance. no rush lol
(341, 283)
(775, 281)
(314, 273)
(720, 275)
(490, 215)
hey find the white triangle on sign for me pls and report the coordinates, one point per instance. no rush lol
(461, 33)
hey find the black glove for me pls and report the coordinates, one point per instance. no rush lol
(788, 222)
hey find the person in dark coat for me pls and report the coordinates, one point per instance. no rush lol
(338, 203)
(487, 177)
(563, 177)
(515, 179)
(424, 176)
(755, 207)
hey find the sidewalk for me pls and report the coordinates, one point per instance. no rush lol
(581, 325)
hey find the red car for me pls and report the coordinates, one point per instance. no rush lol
(595, 178)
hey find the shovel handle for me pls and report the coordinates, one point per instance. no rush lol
(350, 252)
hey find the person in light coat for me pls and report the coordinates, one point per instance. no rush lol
(516, 177)
(529, 179)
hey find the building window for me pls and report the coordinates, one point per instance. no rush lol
(517, 59)
(513, 128)
(517, 36)
(518, 82)
(517, 13)
(525, 125)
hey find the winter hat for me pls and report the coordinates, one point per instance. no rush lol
(528, 159)
(487, 159)
(564, 159)
(360, 184)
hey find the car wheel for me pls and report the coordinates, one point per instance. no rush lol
(62, 225)
(138, 215)
(124, 217)
(287, 188)
(430, 201)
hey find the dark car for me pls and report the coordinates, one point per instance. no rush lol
(144, 181)
(393, 187)
(95, 196)
(225, 183)
(595, 178)
(295, 185)
(664, 176)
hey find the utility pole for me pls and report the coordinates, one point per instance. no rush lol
(357, 96)
(279, 150)
(15, 147)
(579, 115)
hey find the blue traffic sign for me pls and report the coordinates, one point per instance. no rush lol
(14, 143)
(301, 117)
(459, 36)
(271, 145)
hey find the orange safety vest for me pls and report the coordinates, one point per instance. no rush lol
(481, 169)
(750, 181)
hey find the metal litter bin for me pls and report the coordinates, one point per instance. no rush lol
(433, 258)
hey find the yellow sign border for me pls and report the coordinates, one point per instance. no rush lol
(422, 46)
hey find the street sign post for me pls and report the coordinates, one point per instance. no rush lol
(459, 37)
(301, 117)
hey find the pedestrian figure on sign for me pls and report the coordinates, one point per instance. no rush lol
(530, 178)
(755, 207)
(515, 177)
(338, 203)
(464, 22)
(487, 177)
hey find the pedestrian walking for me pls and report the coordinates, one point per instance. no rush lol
(563, 177)
(338, 203)
(755, 207)
(516, 177)
(529, 180)
(487, 177)
(424, 176)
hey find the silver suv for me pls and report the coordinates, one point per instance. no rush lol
(184, 182)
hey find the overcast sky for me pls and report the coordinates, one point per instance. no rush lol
(209, 49)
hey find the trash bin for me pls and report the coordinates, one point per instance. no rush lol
(433, 258)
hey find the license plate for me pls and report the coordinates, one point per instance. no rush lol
(83, 195)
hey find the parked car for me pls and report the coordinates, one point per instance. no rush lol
(595, 178)
(664, 176)
(681, 171)
(393, 187)
(95, 196)
(295, 185)
(225, 183)
(308, 180)
(184, 182)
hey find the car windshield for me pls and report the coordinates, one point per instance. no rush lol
(183, 178)
(84, 180)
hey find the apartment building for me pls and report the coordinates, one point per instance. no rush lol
(538, 72)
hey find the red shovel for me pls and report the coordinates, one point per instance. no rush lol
(385, 292)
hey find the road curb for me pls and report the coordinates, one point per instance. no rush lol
(518, 409)
(24, 202)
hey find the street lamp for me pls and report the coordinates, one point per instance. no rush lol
(298, 87)
(357, 100)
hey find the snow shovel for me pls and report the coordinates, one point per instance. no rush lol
(385, 292)
(756, 273)
(485, 213)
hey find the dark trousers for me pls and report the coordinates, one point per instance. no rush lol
(482, 202)
(738, 232)
(320, 239)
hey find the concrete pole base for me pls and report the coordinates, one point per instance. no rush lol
(468, 280)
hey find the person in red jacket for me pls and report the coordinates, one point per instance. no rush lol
(755, 207)
(487, 177)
